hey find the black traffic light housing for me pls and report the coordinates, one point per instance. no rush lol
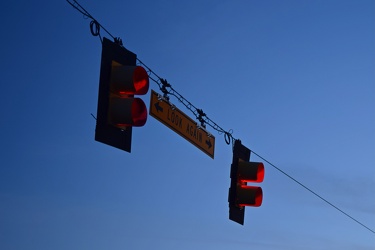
(118, 111)
(243, 171)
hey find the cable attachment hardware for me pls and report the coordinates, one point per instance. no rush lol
(164, 87)
(118, 41)
(95, 27)
(201, 114)
(227, 137)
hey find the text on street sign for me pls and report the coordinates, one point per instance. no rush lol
(182, 124)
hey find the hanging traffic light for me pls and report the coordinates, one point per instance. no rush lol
(243, 171)
(118, 110)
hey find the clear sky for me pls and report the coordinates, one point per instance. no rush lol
(294, 79)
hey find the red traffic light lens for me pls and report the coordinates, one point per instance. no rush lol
(125, 112)
(260, 172)
(249, 196)
(128, 80)
(139, 112)
(140, 80)
(250, 171)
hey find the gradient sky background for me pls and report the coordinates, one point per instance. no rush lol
(294, 79)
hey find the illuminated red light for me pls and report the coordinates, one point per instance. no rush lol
(118, 110)
(129, 80)
(244, 174)
(124, 109)
(139, 112)
(127, 112)
(140, 80)
(254, 196)
(250, 171)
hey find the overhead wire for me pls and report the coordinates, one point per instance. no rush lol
(314, 193)
(167, 90)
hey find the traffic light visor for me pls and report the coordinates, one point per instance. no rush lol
(129, 80)
(250, 171)
(125, 112)
(249, 196)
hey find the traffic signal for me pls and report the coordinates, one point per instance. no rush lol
(243, 171)
(118, 110)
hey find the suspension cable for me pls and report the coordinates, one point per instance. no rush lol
(167, 90)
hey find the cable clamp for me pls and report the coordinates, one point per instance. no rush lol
(201, 114)
(164, 87)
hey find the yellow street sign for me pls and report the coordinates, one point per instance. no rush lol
(182, 124)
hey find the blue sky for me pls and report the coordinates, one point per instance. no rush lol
(295, 80)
